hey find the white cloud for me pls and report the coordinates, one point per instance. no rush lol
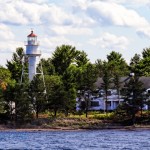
(9, 15)
(69, 30)
(110, 42)
(37, 1)
(5, 33)
(144, 32)
(74, 23)
(132, 2)
(10, 46)
(49, 44)
(21, 12)
(115, 14)
(82, 4)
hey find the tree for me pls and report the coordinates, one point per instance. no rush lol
(70, 86)
(106, 82)
(63, 57)
(5, 78)
(55, 93)
(15, 65)
(81, 58)
(71, 65)
(117, 64)
(135, 65)
(23, 108)
(99, 67)
(37, 95)
(86, 78)
(17, 103)
(145, 61)
(5, 81)
(134, 96)
(118, 68)
(48, 67)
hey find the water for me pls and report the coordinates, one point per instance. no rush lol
(76, 140)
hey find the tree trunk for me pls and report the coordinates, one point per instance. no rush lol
(66, 112)
(55, 112)
(37, 114)
(106, 104)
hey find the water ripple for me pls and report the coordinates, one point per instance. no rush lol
(76, 140)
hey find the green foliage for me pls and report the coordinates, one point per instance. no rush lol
(5, 82)
(89, 75)
(133, 96)
(63, 57)
(117, 64)
(37, 94)
(144, 62)
(48, 67)
(15, 65)
(66, 72)
(55, 93)
(99, 67)
(17, 104)
(116, 68)
(106, 82)
(135, 65)
(81, 58)
(23, 107)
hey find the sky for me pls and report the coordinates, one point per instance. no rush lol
(97, 27)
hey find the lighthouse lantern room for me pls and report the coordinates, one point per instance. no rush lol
(32, 45)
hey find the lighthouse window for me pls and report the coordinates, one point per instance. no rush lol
(31, 39)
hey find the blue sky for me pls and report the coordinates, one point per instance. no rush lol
(95, 26)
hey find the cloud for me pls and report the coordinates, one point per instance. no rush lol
(133, 2)
(10, 15)
(24, 13)
(144, 32)
(37, 1)
(7, 40)
(114, 14)
(10, 46)
(70, 30)
(49, 44)
(5, 33)
(110, 42)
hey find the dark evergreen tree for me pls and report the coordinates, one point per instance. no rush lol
(106, 82)
(134, 96)
(15, 65)
(145, 61)
(37, 95)
(55, 93)
(135, 65)
(99, 67)
(63, 57)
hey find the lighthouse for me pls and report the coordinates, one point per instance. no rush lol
(32, 55)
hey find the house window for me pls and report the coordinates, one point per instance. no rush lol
(94, 103)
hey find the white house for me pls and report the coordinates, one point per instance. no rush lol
(99, 103)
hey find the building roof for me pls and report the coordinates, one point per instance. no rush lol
(32, 34)
(144, 80)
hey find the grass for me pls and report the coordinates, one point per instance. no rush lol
(95, 120)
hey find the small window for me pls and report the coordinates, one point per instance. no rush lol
(94, 103)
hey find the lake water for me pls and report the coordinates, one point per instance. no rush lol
(76, 140)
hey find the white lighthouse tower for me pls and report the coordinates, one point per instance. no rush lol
(33, 56)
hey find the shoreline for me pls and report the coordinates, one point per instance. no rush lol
(70, 124)
(124, 128)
